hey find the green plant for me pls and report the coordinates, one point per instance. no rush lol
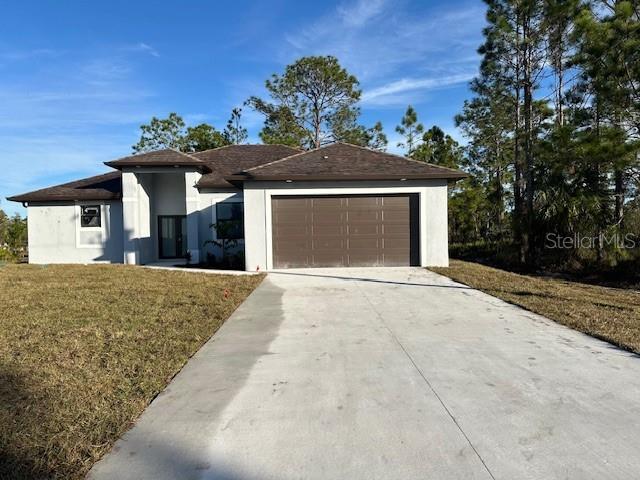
(224, 239)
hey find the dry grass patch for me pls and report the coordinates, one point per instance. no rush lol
(608, 313)
(84, 349)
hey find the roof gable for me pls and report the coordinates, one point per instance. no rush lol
(100, 187)
(233, 159)
(160, 158)
(343, 161)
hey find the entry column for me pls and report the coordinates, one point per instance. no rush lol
(192, 204)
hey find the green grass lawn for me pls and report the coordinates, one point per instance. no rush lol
(84, 349)
(611, 314)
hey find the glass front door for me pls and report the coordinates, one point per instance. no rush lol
(172, 233)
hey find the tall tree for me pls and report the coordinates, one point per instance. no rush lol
(13, 236)
(234, 132)
(4, 224)
(609, 55)
(204, 137)
(559, 15)
(170, 132)
(438, 148)
(514, 56)
(316, 92)
(281, 126)
(410, 129)
(345, 128)
(162, 133)
(487, 121)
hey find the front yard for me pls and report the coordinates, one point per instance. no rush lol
(84, 349)
(612, 314)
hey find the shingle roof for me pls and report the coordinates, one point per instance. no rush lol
(101, 187)
(236, 163)
(160, 158)
(343, 161)
(219, 162)
(225, 161)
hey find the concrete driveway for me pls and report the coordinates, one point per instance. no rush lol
(389, 374)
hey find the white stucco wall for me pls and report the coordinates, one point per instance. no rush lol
(168, 194)
(192, 210)
(433, 214)
(55, 235)
(137, 189)
(146, 237)
(208, 200)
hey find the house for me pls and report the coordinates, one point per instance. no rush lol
(340, 205)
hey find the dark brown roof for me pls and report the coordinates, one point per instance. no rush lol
(232, 159)
(218, 162)
(343, 161)
(101, 187)
(236, 163)
(160, 158)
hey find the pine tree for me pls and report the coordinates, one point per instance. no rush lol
(411, 130)
(234, 132)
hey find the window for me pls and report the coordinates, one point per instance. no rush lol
(230, 220)
(90, 215)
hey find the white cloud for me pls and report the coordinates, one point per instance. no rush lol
(17, 55)
(432, 40)
(142, 47)
(389, 94)
(361, 12)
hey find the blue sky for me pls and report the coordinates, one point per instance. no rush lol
(78, 78)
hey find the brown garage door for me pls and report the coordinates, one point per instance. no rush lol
(345, 231)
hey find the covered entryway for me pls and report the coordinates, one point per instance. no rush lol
(345, 230)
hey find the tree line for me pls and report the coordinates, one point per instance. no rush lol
(553, 130)
(13, 237)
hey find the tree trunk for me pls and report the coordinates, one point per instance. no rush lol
(499, 191)
(528, 145)
(519, 181)
(619, 194)
(317, 125)
(598, 190)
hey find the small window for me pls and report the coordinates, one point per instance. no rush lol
(90, 215)
(230, 220)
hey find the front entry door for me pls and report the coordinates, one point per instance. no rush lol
(172, 231)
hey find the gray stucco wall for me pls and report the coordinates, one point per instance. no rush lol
(55, 235)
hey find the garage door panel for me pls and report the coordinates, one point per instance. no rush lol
(364, 230)
(324, 203)
(390, 260)
(295, 230)
(362, 243)
(355, 230)
(364, 217)
(329, 243)
(328, 219)
(295, 243)
(365, 202)
(395, 230)
(329, 230)
(396, 201)
(290, 208)
(396, 218)
(327, 260)
(364, 261)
